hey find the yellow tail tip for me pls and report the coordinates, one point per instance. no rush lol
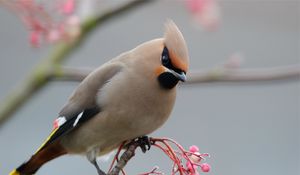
(14, 172)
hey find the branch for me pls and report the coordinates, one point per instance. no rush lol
(126, 156)
(70, 74)
(183, 161)
(208, 76)
(245, 75)
(39, 77)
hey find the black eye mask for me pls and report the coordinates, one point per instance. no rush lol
(166, 61)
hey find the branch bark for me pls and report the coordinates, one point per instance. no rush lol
(125, 157)
(39, 77)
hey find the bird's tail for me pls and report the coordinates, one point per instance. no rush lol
(39, 158)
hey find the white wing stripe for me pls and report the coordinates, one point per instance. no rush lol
(77, 119)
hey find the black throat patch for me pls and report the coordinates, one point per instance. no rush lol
(167, 80)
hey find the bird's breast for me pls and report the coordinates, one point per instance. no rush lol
(136, 103)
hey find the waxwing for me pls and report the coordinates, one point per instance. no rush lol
(128, 97)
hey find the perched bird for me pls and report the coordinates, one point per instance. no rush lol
(128, 97)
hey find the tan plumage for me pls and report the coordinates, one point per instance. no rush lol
(135, 93)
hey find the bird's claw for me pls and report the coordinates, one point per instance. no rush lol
(144, 143)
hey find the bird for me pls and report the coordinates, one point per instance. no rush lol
(128, 97)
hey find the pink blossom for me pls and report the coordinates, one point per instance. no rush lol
(206, 12)
(195, 5)
(234, 61)
(35, 38)
(54, 35)
(73, 21)
(45, 24)
(72, 27)
(68, 7)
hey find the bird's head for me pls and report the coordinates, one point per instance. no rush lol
(174, 58)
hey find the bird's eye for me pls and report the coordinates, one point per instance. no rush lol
(165, 59)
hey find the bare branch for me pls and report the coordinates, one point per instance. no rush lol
(208, 76)
(245, 75)
(70, 74)
(39, 77)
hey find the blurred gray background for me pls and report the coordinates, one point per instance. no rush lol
(247, 128)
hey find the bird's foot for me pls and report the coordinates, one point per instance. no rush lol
(100, 172)
(144, 143)
(91, 156)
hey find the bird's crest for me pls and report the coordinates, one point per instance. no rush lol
(176, 45)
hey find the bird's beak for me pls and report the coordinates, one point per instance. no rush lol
(180, 76)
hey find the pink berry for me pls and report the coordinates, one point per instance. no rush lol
(205, 167)
(194, 148)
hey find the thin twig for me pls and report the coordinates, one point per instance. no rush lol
(39, 77)
(116, 158)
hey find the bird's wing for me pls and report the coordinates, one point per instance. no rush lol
(82, 104)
